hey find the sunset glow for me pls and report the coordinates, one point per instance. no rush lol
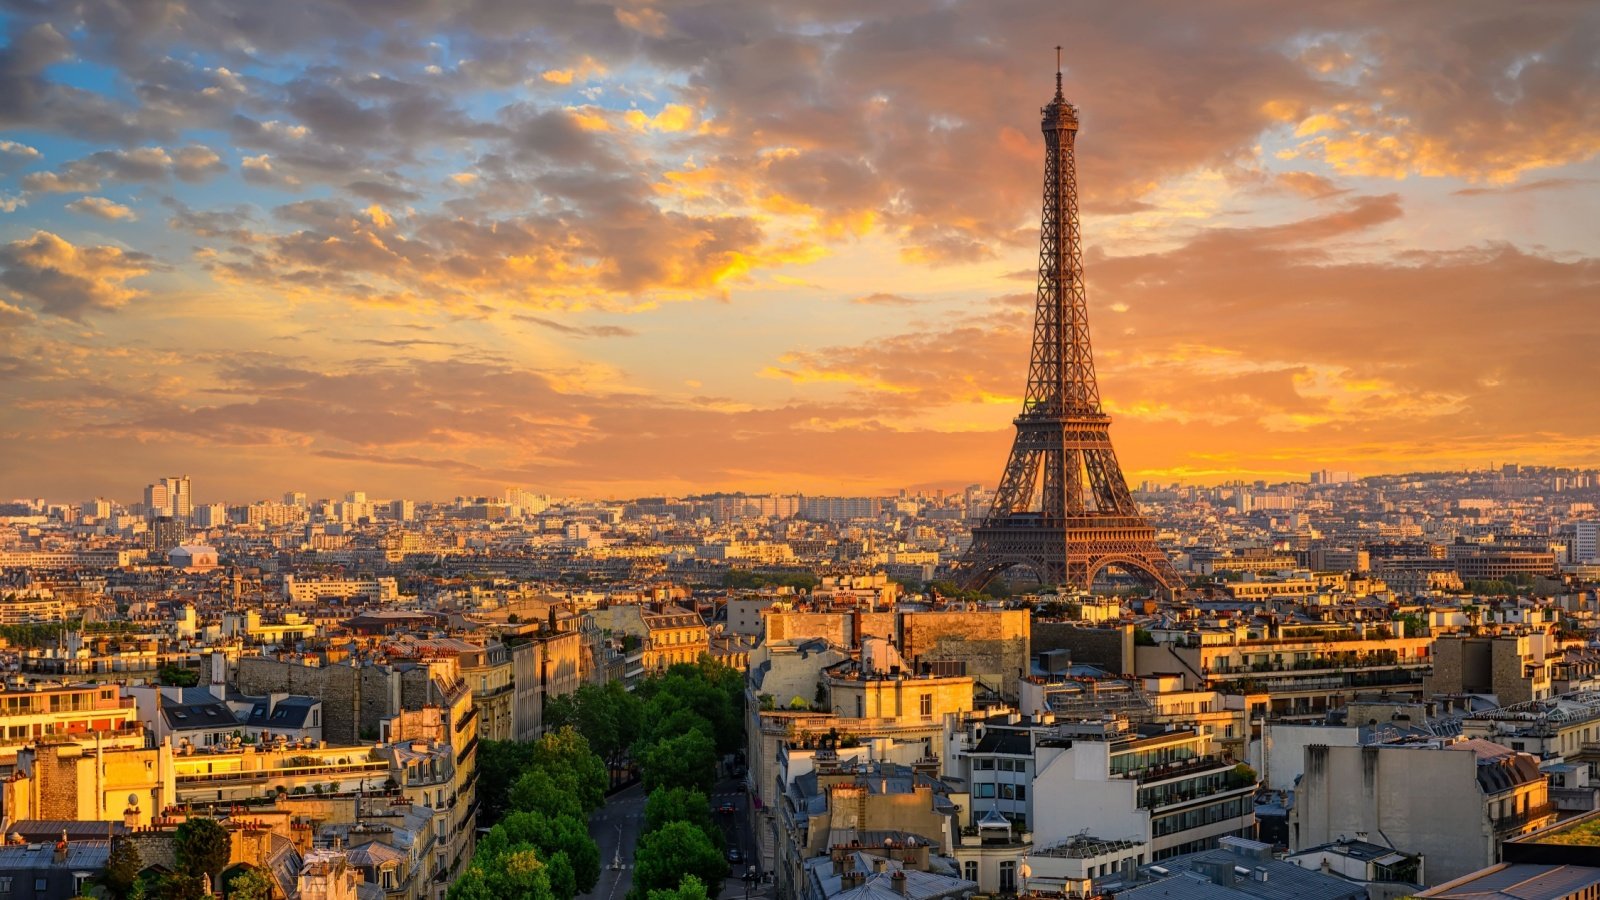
(435, 248)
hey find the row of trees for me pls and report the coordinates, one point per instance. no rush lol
(538, 796)
(671, 730)
(693, 714)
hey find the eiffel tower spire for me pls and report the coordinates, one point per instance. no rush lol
(1063, 508)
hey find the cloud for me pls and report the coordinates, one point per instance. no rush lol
(1320, 351)
(1308, 184)
(68, 281)
(1527, 187)
(193, 163)
(621, 159)
(882, 299)
(102, 208)
(14, 154)
(12, 317)
(587, 69)
(602, 331)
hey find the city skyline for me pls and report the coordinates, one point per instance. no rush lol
(440, 254)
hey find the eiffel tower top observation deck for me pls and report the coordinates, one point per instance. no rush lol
(1063, 509)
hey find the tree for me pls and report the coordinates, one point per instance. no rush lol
(707, 689)
(671, 852)
(687, 761)
(666, 717)
(690, 888)
(122, 869)
(500, 764)
(249, 884)
(177, 676)
(561, 710)
(567, 751)
(202, 847)
(551, 836)
(517, 873)
(552, 794)
(179, 886)
(666, 805)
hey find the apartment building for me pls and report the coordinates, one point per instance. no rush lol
(89, 714)
(1166, 789)
(1307, 668)
(1453, 802)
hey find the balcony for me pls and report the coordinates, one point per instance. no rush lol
(1523, 819)
(365, 769)
(1166, 771)
(1317, 680)
(491, 693)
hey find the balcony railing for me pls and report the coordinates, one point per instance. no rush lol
(1527, 817)
(1191, 766)
(370, 768)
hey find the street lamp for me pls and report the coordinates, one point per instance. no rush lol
(1024, 870)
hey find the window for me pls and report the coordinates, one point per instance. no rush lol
(983, 764)
(984, 791)
(5, 884)
(970, 870)
(1022, 792)
(1008, 792)
(40, 885)
(1008, 876)
(927, 704)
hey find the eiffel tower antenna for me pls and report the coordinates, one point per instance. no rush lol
(1063, 509)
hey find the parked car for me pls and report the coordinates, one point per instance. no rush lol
(734, 856)
(726, 809)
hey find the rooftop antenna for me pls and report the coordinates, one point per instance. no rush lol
(1058, 70)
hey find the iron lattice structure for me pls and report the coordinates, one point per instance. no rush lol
(1063, 508)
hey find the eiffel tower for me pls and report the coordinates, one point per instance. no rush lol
(1063, 509)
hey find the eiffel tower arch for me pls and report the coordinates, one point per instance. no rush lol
(1063, 509)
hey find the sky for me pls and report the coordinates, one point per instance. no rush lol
(426, 248)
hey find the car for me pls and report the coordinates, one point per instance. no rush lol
(726, 809)
(734, 856)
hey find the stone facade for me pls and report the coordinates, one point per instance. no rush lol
(994, 644)
(1108, 647)
(1512, 667)
(842, 628)
(355, 699)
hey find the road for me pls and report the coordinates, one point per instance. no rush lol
(615, 827)
(736, 829)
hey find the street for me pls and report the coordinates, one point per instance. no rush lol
(617, 825)
(729, 792)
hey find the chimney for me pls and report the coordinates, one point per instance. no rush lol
(898, 880)
(61, 849)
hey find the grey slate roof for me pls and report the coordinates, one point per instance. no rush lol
(89, 855)
(1521, 881)
(1285, 881)
(881, 885)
